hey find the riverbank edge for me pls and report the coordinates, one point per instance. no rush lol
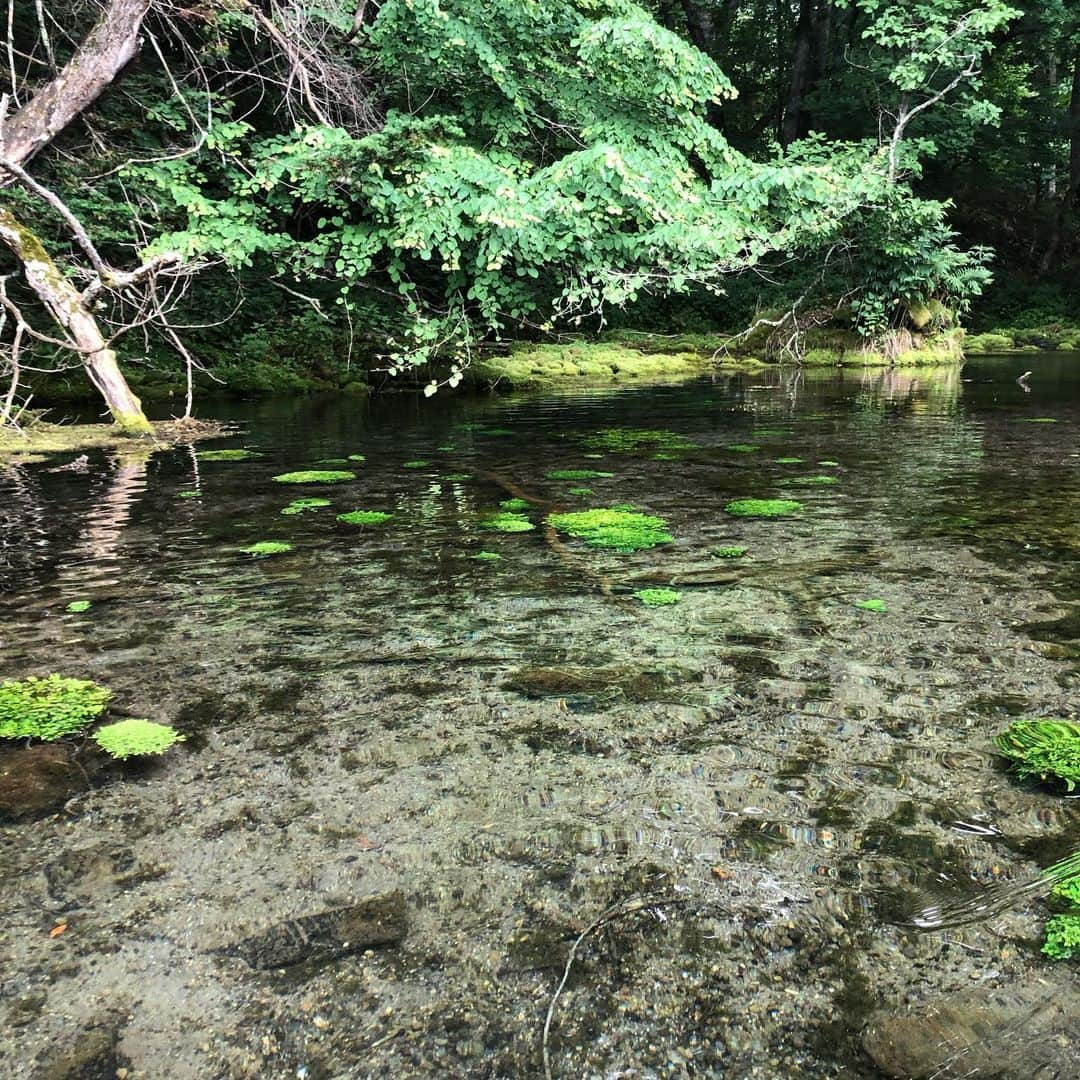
(41, 439)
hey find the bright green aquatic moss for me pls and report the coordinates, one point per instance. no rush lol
(1043, 749)
(790, 461)
(1062, 937)
(315, 476)
(731, 551)
(616, 528)
(815, 481)
(487, 556)
(578, 474)
(631, 440)
(332, 461)
(78, 606)
(507, 523)
(514, 505)
(658, 597)
(1067, 892)
(226, 455)
(356, 457)
(829, 464)
(742, 448)
(872, 604)
(1039, 420)
(136, 738)
(49, 708)
(766, 508)
(189, 495)
(457, 477)
(267, 547)
(445, 449)
(416, 464)
(300, 506)
(365, 517)
(581, 492)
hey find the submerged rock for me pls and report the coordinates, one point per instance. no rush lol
(36, 779)
(376, 920)
(1018, 1033)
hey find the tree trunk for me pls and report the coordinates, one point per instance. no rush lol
(1068, 199)
(64, 302)
(108, 47)
(795, 123)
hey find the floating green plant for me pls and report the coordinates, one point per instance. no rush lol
(873, 604)
(315, 476)
(829, 464)
(630, 440)
(1038, 420)
(226, 455)
(333, 461)
(816, 481)
(300, 506)
(356, 457)
(742, 448)
(365, 517)
(581, 492)
(790, 461)
(189, 494)
(615, 528)
(77, 606)
(136, 738)
(658, 597)
(487, 556)
(664, 455)
(415, 465)
(578, 474)
(445, 449)
(730, 551)
(1043, 749)
(1062, 937)
(508, 523)
(49, 708)
(494, 432)
(766, 508)
(267, 547)
(514, 505)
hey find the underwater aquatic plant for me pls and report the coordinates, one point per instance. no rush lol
(818, 481)
(767, 508)
(365, 517)
(582, 492)
(332, 461)
(578, 474)
(742, 448)
(658, 597)
(298, 506)
(136, 738)
(49, 708)
(630, 440)
(873, 604)
(189, 495)
(267, 547)
(356, 457)
(1067, 892)
(226, 455)
(487, 556)
(616, 528)
(1038, 420)
(829, 464)
(415, 465)
(77, 606)
(1062, 937)
(514, 505)
(729, 551)
(456, 477)
(315, 476)
(1043, 749)
(790, 461)
(507, 523)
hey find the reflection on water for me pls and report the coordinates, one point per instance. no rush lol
(524, 727)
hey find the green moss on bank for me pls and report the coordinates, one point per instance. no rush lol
(42, 438)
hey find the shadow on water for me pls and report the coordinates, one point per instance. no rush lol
(519, 744)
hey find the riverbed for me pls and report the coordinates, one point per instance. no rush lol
(741, 823)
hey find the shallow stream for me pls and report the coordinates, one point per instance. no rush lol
(787, 803)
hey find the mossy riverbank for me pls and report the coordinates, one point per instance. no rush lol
(40, 439)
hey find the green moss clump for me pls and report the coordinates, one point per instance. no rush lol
(658, 597)
(872, 604)
(356, 457)
(1062, 937)
(299, 506)
(487, 556)
(578, 474)
(507, 523)
(742, 448)
(315, 476)
(49, 708)
(1067, 892)
(415, 465)
(631, 440)
(789, 461)
(136, 738)
(582, 492)
(457, 477)
(514, 505)
(617, 529)
(1043, 749)
(267, 547)
(78, 606)
(332, 461)
(988, 343)
(766, 508)
(448, 449)
(189, 495)
(816, 481)
(731, 551)
(365, 517)
(226, 455)
(1039, 420)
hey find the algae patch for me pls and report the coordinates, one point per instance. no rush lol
(267, 547)
(616, 528)
(49, 708)
(315, 476)
(227, 455)
(136, 738)
(658, 597)
(300, 506)
(764, 508)
(365, 517)
(507, 522)
(578, 474)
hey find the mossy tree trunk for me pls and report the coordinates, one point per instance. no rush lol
(67, 307)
